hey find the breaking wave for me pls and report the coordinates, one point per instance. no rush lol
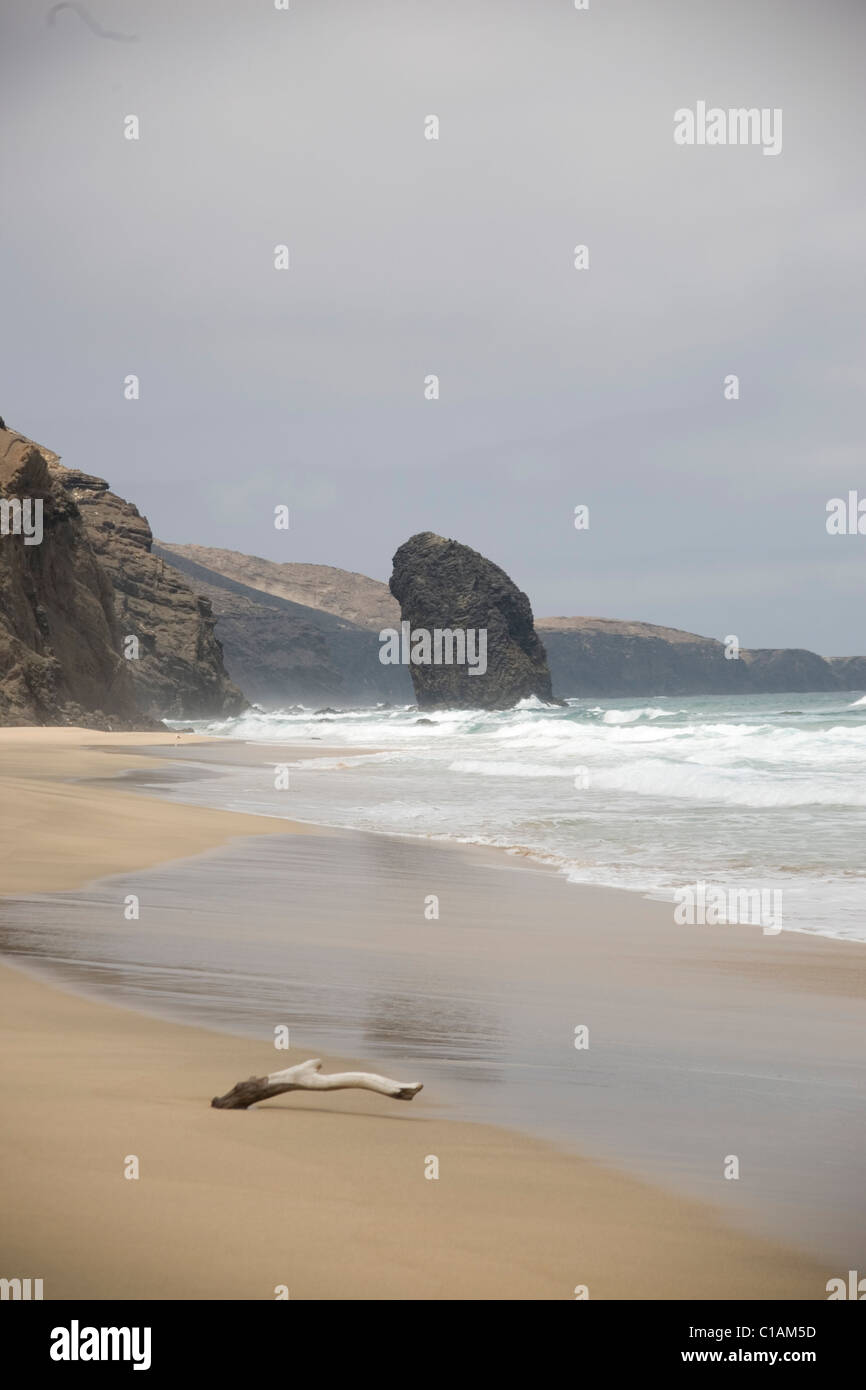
(648, 796)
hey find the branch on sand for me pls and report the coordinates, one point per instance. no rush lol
(307, 1076)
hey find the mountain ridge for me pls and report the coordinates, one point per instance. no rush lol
(588, 656)
(344, 593)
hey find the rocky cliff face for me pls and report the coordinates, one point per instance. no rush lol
(284, 653)
(442, 585)
(69, 604)
(60, 659)
(179, 672)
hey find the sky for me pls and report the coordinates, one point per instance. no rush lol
(411, 257)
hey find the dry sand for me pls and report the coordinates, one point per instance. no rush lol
(323, 1194)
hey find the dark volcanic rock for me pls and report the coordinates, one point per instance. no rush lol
(443, 585)
(60, 659)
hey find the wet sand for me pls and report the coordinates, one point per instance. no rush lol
(59, 828)
(327, 1194)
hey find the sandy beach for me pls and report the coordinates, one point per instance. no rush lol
(325, 1195)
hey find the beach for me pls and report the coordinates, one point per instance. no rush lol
(326, 1196)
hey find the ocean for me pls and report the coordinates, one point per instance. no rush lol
(758, 792)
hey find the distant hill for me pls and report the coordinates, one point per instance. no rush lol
(604, 656)
(850, 671)
(297, 633)
(283, 653)
(365, 602)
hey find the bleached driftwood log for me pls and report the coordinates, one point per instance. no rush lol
(307, 1076)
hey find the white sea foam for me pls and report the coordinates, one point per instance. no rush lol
(629, 716)
(646, 795)
(475, 767)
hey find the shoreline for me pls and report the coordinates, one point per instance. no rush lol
(749, 895)
(492, 1207)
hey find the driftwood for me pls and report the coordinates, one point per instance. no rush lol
(307, 1076)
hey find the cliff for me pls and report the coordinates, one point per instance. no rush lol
(179, 672)
(443, 585)
(70, 604)
(60, 659)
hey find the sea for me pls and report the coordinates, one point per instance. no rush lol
(763, 792)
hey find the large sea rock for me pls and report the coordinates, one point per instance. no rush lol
(443, 585)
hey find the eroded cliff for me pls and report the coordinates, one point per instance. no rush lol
(60, 659)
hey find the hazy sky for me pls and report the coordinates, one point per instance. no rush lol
(455, 257)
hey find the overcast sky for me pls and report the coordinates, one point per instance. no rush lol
(455, 257)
